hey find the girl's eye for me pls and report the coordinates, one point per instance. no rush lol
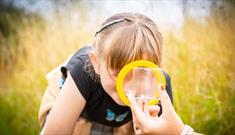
(115, 73)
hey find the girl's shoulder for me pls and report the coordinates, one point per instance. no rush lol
(167, 76)
(77, 60)
(77, 68)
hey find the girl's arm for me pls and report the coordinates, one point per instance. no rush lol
(66, 110)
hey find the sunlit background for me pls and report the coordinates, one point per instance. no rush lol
(36, 36)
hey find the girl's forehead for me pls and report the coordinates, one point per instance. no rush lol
(126, 44)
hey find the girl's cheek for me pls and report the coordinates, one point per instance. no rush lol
(112, 82)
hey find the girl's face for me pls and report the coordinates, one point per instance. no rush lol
(108, 81)
(107, 78)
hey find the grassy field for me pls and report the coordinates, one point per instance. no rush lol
(199, 58)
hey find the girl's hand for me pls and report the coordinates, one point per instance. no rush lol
(146, 120)
(151, 113)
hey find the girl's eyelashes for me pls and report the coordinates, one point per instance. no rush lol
(115, 73)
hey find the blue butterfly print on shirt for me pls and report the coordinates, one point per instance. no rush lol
(110, 116)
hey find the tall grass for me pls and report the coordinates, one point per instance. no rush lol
(199, 59)
(41, 46)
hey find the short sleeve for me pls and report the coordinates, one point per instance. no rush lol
(168, 90)
(75, 67)
(81, 79)
(168, 86)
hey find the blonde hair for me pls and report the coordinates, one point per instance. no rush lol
(126, 37)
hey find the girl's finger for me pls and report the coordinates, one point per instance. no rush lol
(141, 104)
(138, 131)
(146, 109)
(137, 112)
(165, 101)
(154, 110)
(136, 123)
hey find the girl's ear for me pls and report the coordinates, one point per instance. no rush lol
(94, 61)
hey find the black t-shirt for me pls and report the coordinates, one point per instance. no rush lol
(100, 107)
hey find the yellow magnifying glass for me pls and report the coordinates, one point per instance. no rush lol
(160, 78)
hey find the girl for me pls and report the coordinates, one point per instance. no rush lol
(87, 102)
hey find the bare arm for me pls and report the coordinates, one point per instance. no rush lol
(66, 110)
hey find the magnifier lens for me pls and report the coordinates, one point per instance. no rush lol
(143, 83)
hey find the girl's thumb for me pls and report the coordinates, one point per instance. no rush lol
(165, 100)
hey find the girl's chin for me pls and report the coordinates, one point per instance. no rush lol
(116, 98)
(120, 103)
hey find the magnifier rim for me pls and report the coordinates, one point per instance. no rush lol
(127, 68)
